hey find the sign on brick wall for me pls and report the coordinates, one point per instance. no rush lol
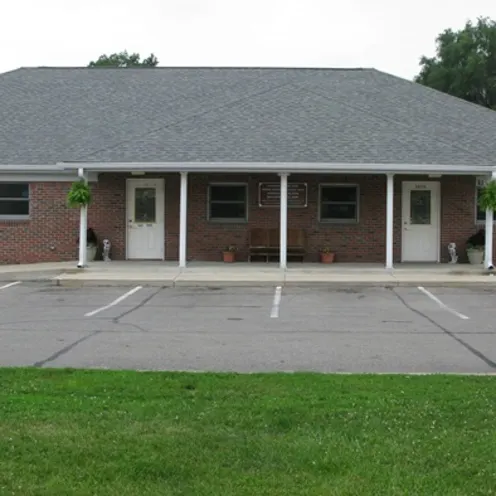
(269, 195)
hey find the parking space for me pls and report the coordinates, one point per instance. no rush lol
(249, 329)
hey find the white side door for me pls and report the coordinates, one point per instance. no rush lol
(145, 214)
(420, 221)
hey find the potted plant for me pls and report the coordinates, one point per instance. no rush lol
(79, 196)
(487, 198)
(326, 255)
(475, 247)
(228, 254)
(476, 243)
(91, 245)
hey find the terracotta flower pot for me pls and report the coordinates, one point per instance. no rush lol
(228, 256)
(327, 258)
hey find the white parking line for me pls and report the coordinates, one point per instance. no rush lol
(10, 285)
(115, 302)
(274, 314)
(441, 304)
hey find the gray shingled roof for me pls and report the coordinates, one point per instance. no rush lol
(48, 115)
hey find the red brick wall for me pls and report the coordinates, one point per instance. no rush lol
(457, 212)
(51, 233)
(352, 242)
(458, 204)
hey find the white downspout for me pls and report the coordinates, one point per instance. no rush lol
(183, 219)
(83, 226)
(283, 242)
(389, 221)
(488, 249)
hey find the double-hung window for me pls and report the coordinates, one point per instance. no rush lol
(338, 203)
(14, 201)
(227, 202)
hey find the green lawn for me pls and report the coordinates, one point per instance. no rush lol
(66, 432)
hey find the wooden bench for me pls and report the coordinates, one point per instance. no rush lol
(265, 243)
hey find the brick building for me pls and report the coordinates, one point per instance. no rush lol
(186, 161)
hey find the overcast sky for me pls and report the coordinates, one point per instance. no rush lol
(390, 35)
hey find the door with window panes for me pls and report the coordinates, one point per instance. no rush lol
(421, 204)
(145, 219)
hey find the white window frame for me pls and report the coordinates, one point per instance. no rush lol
(480, 181)
(228, 220)
(28, 200)
(340, 185)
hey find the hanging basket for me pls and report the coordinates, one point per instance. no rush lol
(79, 195)
(487, 198)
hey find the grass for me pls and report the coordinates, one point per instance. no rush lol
(66, 432)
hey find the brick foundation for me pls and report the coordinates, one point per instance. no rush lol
(52, 231)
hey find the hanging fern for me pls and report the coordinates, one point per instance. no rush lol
(487, 199)
(79, 195)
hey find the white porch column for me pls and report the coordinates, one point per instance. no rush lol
(488, 249)
(283, 243)
(83, 226)
(183, 219)
(389, 221)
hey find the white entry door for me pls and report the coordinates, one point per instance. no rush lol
(420, 221)
(145, 219)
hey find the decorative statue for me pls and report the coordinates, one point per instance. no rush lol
(106, 250)
(452, 253)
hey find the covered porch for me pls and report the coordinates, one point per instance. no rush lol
(284, 172)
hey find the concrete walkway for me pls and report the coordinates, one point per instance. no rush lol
(168, 274)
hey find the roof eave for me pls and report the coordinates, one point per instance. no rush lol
(38, 168)
(278, 167)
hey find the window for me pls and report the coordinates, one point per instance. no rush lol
(145, 206)
(339, 203)
(14, 200)
(227, 202)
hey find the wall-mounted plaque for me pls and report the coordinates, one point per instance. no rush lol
(269, 195)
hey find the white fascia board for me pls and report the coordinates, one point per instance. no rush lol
(290, 167)
(37, 168)
(40, 177)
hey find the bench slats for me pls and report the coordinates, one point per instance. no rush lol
(266, 242)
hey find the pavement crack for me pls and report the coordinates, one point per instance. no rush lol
(452, 335)
(134, 326)
(65, 349)
(117, 319)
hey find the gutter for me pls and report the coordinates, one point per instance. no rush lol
(250, 167)
(32, 168)
(278, 167)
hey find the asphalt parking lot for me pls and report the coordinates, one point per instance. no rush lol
(408, 330)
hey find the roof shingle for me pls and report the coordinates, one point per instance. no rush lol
(48, 115)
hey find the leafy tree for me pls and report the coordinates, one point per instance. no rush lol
(465, 63)
(124, 59)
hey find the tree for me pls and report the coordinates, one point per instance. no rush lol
(124, 59)
(465, 63)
